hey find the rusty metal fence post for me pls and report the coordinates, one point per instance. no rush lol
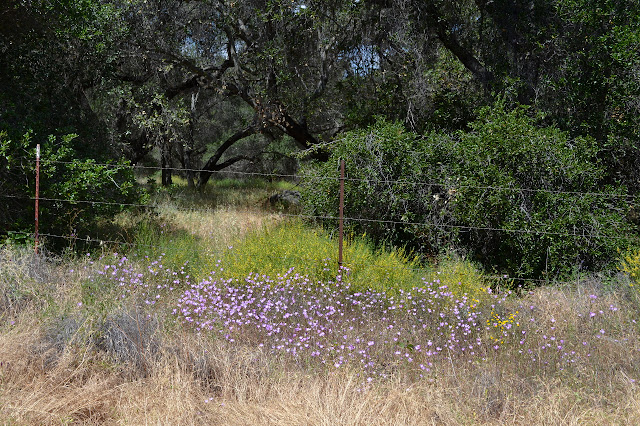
(340, 217)
(37, 195)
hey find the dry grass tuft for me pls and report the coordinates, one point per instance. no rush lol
(200, 381)
(222, 225)
(337, 399)
(35, 391)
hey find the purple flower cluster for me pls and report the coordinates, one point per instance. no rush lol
(147, 284)
(568, 341)
(330, 324)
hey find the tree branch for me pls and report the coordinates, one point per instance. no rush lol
(443, 30)
(212, 164)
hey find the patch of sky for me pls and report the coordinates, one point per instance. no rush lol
(363, 60)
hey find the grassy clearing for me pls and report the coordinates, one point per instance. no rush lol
(140, 337)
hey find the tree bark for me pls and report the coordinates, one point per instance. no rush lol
(165, 162)
(443, 30)
(212, 164)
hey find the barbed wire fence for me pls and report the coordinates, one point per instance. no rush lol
(297, 177)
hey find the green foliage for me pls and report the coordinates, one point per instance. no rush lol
(75, 193)
(630, 265)
(106, 186)
(18, 239)
(389, 171)
(53, 52)
(523, 199)
(594, 86)
(461, 276)
(532, 198)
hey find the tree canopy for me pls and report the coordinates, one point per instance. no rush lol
(199, 86)
(196, 78)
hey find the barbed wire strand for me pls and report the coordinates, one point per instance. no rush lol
(348, 264)
(366, 220)
(449, 184)
(71, 201)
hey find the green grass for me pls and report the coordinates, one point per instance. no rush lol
(251, 192)
(460, 275)
(189, 228)
(155, 237)
(313, 251)
(194, 240)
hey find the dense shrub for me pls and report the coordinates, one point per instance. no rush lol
(389, 175)
(523, 199)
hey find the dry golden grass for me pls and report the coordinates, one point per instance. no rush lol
(221, 225)
(195, 379)
(85, 388)
(201, 381)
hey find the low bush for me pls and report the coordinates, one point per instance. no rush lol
(630, 265)
(461, 276)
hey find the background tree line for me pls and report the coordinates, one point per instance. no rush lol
(207, 85)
